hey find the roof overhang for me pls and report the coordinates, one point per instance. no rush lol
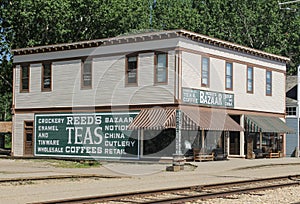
(148, 36)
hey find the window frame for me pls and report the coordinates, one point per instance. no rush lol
(22, 90)
(231, 76)
(127, 70)
(269, 83)
(156, 67)
(252, 80)
(84, 62)
(28, 129)
(208, 71)
(43, 76)
(291, 109)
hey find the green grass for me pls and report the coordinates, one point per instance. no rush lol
(70, 164)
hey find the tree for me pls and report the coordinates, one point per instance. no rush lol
(5, 67)
(175, 14)
(259, 24)
(291, 32)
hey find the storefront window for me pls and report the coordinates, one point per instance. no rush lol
(270, 142)
(158, 143)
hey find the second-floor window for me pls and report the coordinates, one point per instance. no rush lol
(131, 70)
(268, 83)
(86, 73)
(250, 79)
(229, 76)
(25, 78)
(46, 77)
(161, 68)
(205, 72)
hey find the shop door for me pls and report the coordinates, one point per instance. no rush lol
(28, 138)
(234, 143)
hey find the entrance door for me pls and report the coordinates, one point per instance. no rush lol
(234, 143)
(28, 138)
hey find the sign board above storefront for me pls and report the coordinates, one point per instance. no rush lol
(208, 98)
(88, 135)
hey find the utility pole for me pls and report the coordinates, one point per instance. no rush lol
(152, 6)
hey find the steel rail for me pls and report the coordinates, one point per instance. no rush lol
(55, 177)
(218, 194)
(294, 180)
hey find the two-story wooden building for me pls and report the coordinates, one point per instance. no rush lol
(147, 95)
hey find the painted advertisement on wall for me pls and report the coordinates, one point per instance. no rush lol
(87, 135)
(208, 98)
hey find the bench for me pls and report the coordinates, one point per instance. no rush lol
(273, 155)
(201, 156)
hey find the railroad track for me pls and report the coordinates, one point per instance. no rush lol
(55, 177)
(189, 193)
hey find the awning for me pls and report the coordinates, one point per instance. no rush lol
(211, 119)
(266, 124)
(193, 118)
(155, 118)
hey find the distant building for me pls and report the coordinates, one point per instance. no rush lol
(146, 96)
(291, 114)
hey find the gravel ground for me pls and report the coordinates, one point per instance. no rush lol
(128, 177)
(281, 195)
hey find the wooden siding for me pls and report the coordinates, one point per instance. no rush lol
(108, 84)
(291, 139)
(109, 89)
(191, 70)
(258, 101)
(222, 53)
(18, 133)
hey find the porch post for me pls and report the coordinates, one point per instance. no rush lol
(202, 138)
(141, 132)
(227, 142)
(242, 137)
(178, 132)
(178, 157)
(260, 140)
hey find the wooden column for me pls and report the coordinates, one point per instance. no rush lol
(242, 136)
(202, 138)
(141, 133)
(178, 132)
(260, 140)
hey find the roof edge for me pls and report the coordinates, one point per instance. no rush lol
(230, 45)
(150, 36)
